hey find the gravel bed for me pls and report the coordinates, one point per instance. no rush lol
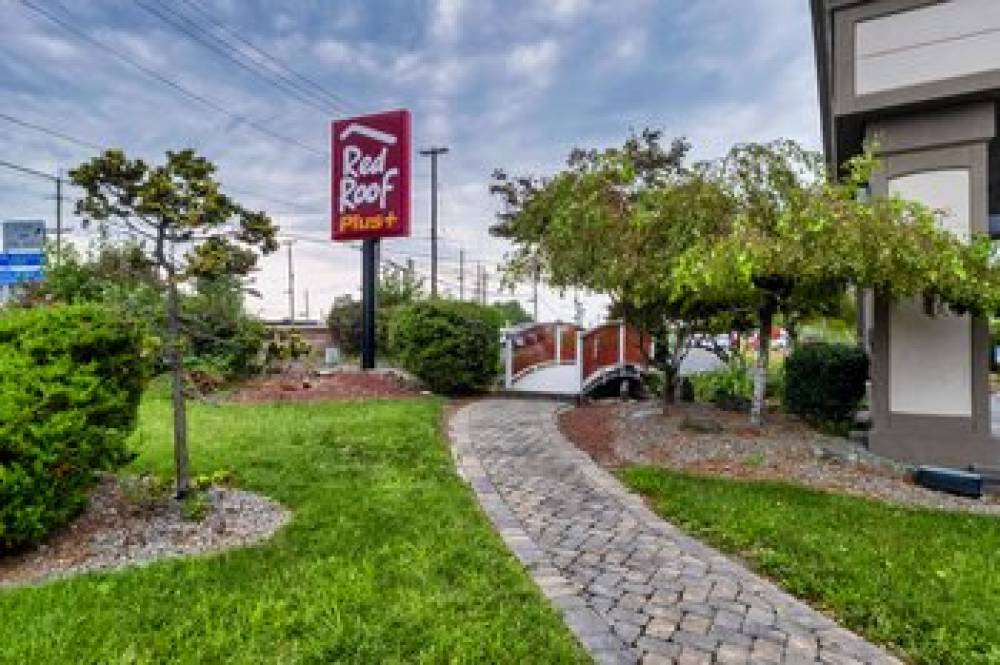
(703, 439)
(115, 531)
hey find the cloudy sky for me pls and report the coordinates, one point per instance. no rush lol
(513, 84)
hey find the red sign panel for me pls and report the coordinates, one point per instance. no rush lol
(371, 176)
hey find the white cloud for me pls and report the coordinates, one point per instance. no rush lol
(334, 52)
(534, 62)
(49, 48)
(508, 85)
(565, 9)
(445, 20)
(629, 48)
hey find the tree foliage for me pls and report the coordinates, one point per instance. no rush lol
(615, 222)
(397, 287)
(452, 346)
(188, 229)
(70, 381)
(761, 233)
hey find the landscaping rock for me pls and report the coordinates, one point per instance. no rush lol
(700, 424)
(684, 438)
(117, 530)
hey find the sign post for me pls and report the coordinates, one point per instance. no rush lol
(370, 190)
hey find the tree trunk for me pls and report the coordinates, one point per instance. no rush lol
(668, 384)
(758, 405)
(793, 334)
(177, 389)
(672, 379)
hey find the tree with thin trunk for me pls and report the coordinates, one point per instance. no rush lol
(797, 241)
(613, 221)
(188, 228)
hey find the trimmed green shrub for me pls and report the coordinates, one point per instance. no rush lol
(452, 346)
(824, 383)
(729, 387)
(70, 382)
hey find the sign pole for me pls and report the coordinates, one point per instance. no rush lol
(369, 291)
(370, 191)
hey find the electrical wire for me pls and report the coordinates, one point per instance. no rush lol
(50, 132)
(187, 92)
(326, 92)
(72, 139)
(195, 32)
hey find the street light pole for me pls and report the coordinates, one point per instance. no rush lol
(433, 154)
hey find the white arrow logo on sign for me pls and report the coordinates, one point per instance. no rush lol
(374, 134)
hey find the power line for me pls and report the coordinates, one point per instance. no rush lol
(270, 58)
(72, 139)
(209, 41)
(27, 170)
(190, 94)
(50, 132)
(272, 199)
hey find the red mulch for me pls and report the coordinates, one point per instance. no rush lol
(338, 386)
(591, 428)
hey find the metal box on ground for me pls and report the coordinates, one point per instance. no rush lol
(953, 481)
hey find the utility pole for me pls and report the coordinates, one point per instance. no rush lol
(291, 283)
(57, 179)
(461, 274)
(307, 304)
(433, 154)
(534, 296)
(479, 282)
(486, 290)
(58, 218)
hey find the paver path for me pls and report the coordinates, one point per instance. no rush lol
(631, 586)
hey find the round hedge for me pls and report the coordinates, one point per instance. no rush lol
(70, 382)
(452, 346)
(824, 383)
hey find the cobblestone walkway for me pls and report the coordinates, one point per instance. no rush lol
(631, 586)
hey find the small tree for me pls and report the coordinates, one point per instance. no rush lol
(613, 222)
(796, 241)
(190, 229)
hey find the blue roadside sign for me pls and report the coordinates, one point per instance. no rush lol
(23, 266)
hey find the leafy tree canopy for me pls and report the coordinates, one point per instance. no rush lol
(759, 233)
(188, 230)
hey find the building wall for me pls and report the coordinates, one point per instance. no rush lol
(930, 399)
(930, 362)
(926, 45)
(919, 80)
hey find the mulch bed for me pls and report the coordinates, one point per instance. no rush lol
(341, 385)
(702, 439)
(117, 529)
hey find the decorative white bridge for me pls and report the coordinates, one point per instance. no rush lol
(563, 359)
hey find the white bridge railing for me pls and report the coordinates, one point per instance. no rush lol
(563, 359)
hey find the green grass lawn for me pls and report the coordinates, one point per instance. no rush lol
(926, 581)
(387, 559)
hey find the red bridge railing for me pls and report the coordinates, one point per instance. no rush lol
(546, 344)
(538, 345)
